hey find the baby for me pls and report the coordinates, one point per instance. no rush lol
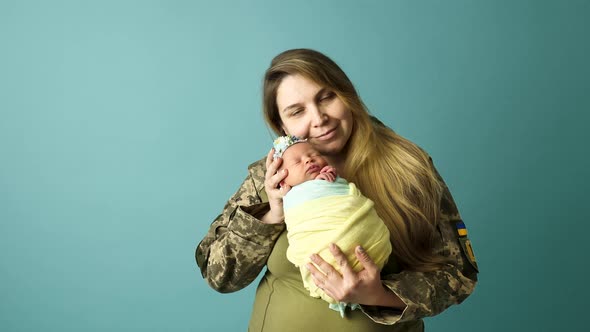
(322, 208)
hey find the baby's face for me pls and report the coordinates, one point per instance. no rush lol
(303, 162)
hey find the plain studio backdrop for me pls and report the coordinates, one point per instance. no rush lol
(126, 125)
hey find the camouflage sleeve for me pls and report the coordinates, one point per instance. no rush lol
(238, 244)
(429, 293)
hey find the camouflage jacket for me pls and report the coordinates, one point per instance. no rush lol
(238, 244)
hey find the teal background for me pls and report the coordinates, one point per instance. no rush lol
(126, 125)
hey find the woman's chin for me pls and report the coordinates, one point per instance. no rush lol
(330, 149)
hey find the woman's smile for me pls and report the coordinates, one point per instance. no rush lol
(327, 135)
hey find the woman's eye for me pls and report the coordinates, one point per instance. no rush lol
(328, 96)
(296, 112)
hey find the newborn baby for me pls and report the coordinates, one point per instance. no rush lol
(322, 208)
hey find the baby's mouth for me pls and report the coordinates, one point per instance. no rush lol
(313, 168)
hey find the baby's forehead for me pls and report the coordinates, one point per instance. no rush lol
(297, 149)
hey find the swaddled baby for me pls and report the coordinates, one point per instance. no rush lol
(322, 208)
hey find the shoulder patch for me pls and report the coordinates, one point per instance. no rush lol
(466, 244)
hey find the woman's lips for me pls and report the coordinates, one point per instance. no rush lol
(327, 135)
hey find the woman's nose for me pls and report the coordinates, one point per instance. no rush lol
(318, 116)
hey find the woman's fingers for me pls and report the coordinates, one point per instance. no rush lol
(324, 285)
(318, 276)
(341, 260)
(272, 166)
(269, 158)
(272, 178)
(285, 189)
(366, 261)
(277, 179)
(336, 284)
(325, 268)
(346, 285)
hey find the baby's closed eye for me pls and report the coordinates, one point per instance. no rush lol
(293, 164)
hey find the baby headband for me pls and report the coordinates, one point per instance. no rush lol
(282, 143)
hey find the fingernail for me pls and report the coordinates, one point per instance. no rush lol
(360, 249)
(332, 246)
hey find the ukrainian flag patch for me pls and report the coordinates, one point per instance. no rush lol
(466, 244)
(461, 229)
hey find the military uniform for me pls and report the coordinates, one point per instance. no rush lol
(238, 246)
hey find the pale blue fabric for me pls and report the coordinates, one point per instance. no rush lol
(341, 307)
(314, 189)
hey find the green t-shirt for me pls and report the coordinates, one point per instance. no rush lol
(282, 304)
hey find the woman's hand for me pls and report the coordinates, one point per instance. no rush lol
(363, 287)
(274, 190)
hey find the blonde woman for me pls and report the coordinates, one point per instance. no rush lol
(432, 266)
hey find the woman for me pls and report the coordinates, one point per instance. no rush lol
(432, 266)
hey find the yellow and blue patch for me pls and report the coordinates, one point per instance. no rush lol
(466, 244)
(461, 229)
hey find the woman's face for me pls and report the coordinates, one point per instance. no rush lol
(310, 111)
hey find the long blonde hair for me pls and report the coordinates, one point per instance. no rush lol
(389, 169)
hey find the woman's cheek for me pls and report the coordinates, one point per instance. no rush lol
(296, 127)
(303, 132)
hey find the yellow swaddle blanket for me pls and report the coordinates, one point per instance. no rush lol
(347, 220)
